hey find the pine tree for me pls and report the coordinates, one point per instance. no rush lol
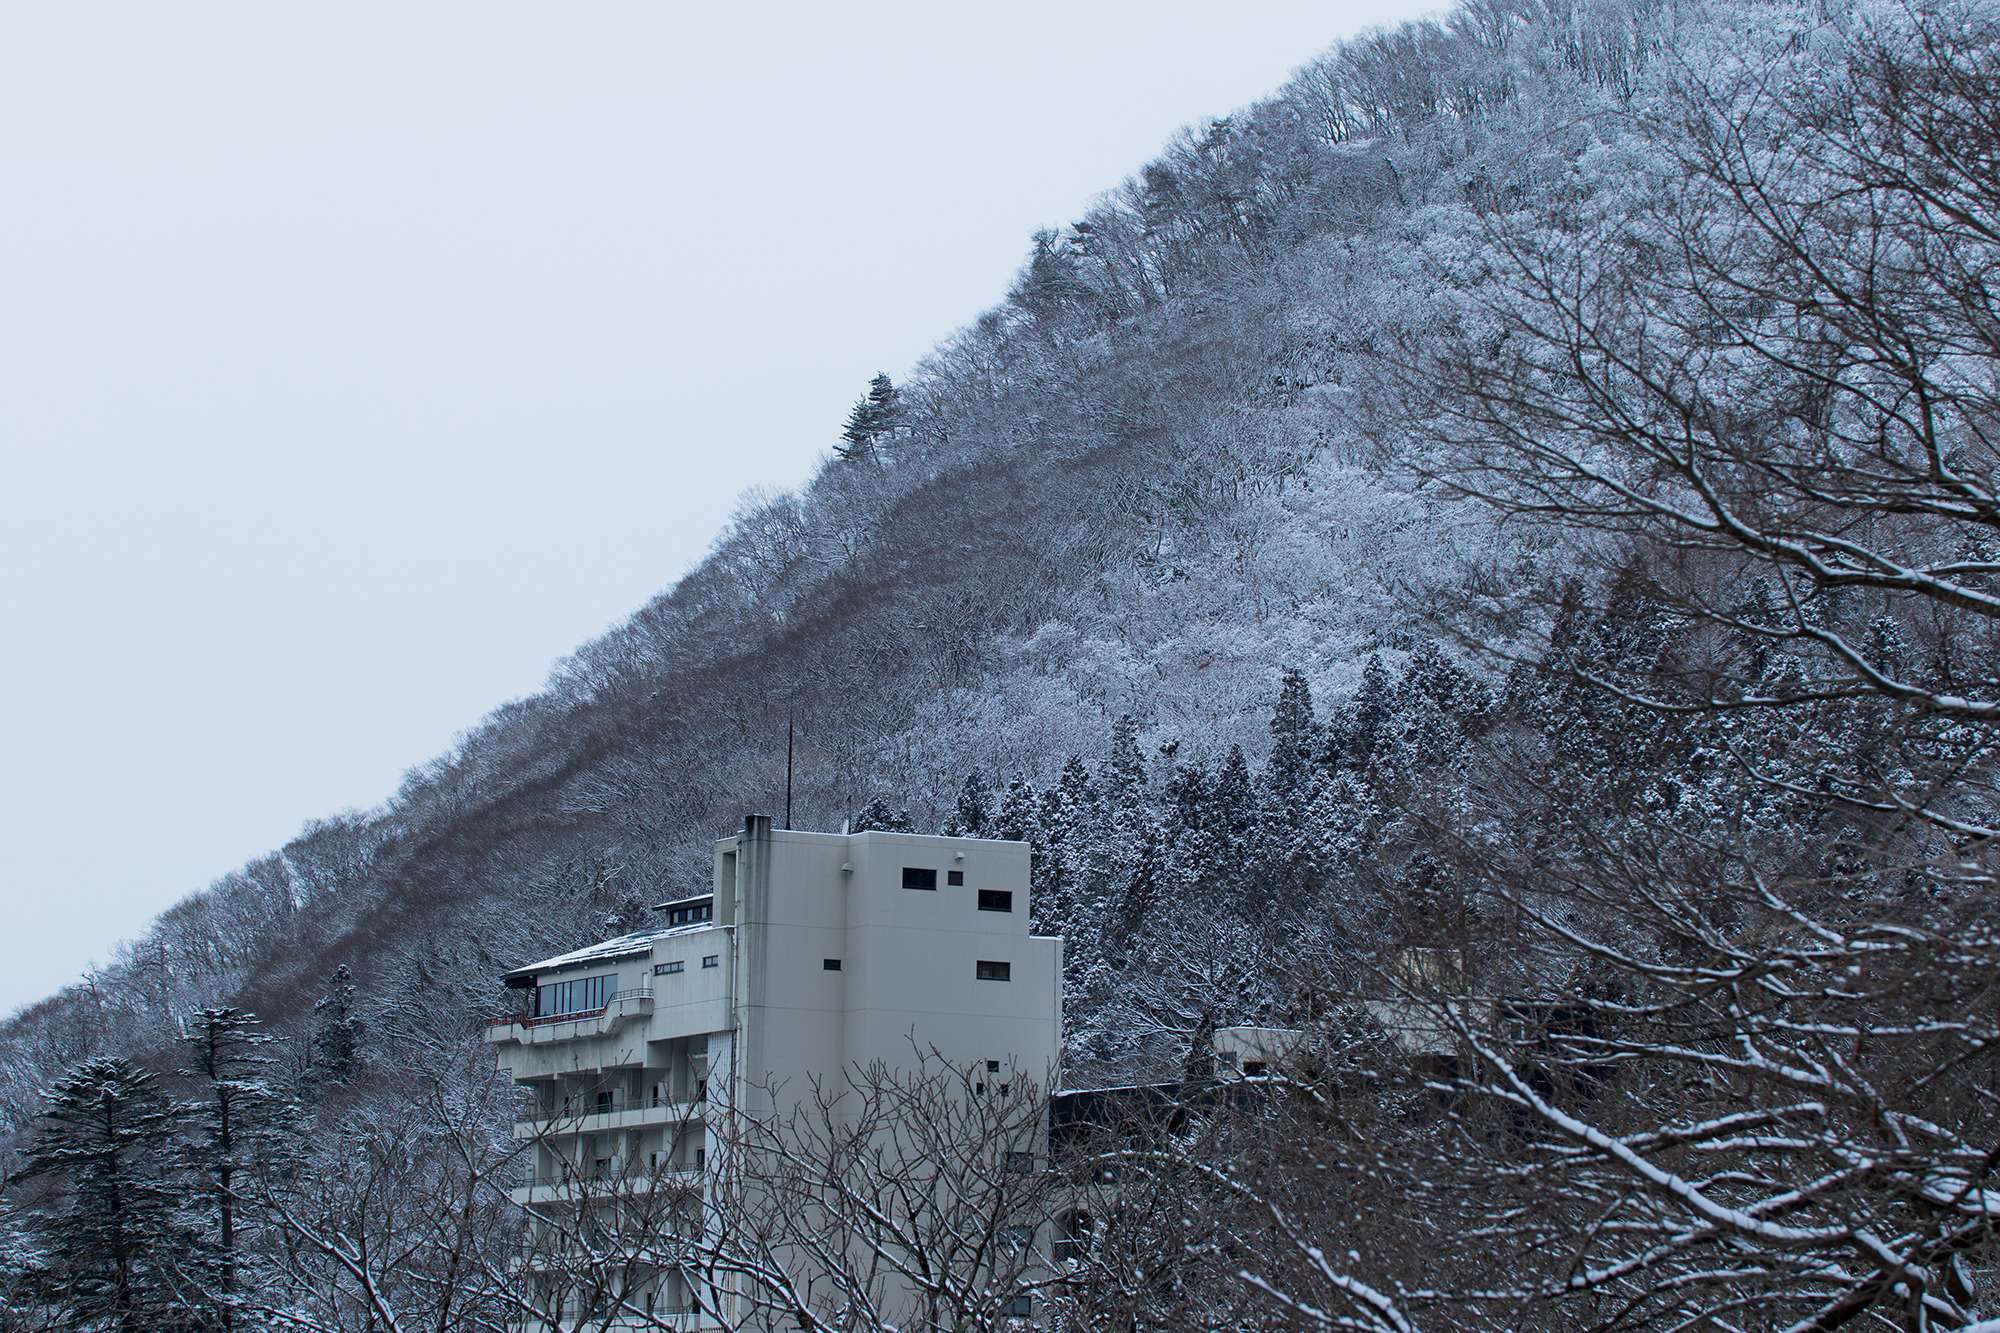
(1370, 716)
(1431, 676)
(878, 815)
(1189, 853)
(1233, 808)
(233, 1123)
(27, 1281)
(1124, 773)
(885, 406)
(103, 1141)
(879, 412)
(1142, 882)
(336, 1039)
(858, 436)
(968, 818)
(1288, 780)
(1018, 821)
(1294, 734)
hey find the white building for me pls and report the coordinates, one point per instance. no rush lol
(811, 954)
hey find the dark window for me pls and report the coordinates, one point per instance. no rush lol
(605, 1101)
(915, 877)
(668, 969)
(992, 1066)
(1072, 1237)
(829, 964)
(688, 913)
(1253, 1068)
(582, 996)
(1021, 1307)
(711, 960)
(1020, 1163)
(990, 970)
(996, 900)
(954, 877)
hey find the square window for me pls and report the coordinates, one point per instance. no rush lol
(992, 1066)
(829, 964)
(990, 970)
(668, 969)
(1021, 1307)
(954, 877)
(711, 960)
(917, 877)
(1020, 1163)
(996, 900)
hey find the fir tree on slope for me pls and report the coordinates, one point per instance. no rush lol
(233, 1122)
(1017, 820)
(969, 817)
(1289, 779)
(336, 1037)
(101, 1150)
(877, 414)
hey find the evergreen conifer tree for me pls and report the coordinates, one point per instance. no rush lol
(1233, 806)
(885, 406)
(1018, 821)
(110, 1228)
(877, 413)
(1294, 735)
(1288, 780)
(1370, 715)
(969, 817)
(877, 814)
(336, 1039)
(232, 1119)
(857, 438)
(1124, 771)
(1189, 850)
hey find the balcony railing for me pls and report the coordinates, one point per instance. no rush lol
(633, 1179)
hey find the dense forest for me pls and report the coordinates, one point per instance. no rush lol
(1520, 497)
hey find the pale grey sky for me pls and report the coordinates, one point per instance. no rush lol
(358, 361)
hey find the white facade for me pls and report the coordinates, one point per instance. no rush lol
(821, 952)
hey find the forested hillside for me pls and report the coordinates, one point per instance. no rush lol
(1523, 493)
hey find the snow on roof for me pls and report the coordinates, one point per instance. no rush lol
(624, 946)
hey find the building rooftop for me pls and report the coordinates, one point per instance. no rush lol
(635, 945)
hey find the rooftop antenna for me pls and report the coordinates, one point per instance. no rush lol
(788, 768)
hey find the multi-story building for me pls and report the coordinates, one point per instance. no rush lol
(810, 955)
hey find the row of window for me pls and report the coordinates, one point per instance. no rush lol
(680, 965)
(988, 969)
(990, 900)
(581, 996)
(688, 911)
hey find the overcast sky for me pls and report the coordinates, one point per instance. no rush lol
(359, 361)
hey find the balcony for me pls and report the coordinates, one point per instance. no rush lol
(571, 1186)
(615, 1117)
(635, 1003)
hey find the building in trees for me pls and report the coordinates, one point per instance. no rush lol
(658, 1057)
